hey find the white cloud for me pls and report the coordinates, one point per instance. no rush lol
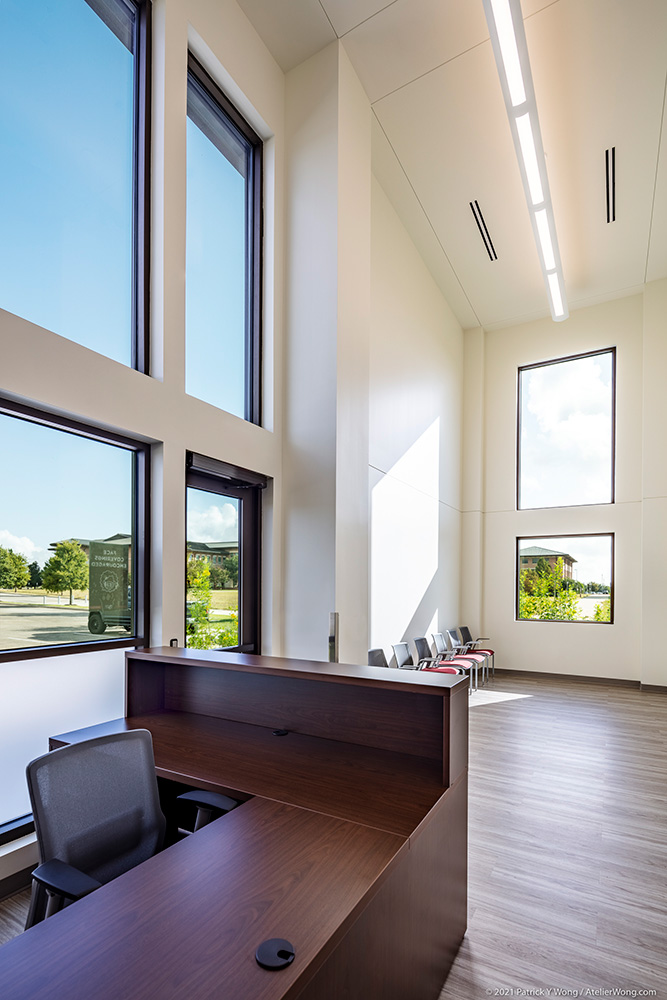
(24, 545)
(217, 523)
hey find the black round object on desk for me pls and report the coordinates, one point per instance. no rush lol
(274, 954)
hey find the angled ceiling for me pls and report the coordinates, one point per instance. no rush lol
(441, 139)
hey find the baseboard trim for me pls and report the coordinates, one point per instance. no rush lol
(574, 678)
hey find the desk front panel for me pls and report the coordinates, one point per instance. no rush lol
(389, 791)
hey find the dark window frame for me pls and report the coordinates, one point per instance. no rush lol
(221, 105)
(141, 166)
(140, 529)
(560, 361)
(214, 476)
(575, 534)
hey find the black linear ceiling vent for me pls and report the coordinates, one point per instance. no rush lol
(610, 182)
(483, 231)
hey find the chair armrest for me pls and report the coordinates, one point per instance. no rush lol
(64, 880)
(209, 800)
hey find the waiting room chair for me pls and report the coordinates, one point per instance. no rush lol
(459, 648)
(474, 645)
(377, 658)
(426, 661)
(442, 647)
(404, 660)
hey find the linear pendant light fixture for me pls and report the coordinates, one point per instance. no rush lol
(508, 39)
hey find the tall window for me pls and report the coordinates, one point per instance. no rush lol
(73, 170)
(223, 258)
(565, 578)
(72, 536)
(222, 571)
(566, 432)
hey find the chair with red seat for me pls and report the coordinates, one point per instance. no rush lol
(474, 645)
(442, 661)
(459, 649)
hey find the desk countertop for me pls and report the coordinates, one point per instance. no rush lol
(188, 921)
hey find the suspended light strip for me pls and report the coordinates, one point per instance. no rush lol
(508, 39)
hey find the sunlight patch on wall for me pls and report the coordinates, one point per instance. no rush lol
(404, 538)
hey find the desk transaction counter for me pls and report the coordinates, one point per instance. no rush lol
(350, 842)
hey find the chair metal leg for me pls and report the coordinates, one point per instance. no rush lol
(38, 904)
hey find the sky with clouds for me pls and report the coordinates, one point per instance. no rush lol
(211, 517)
(566, 433)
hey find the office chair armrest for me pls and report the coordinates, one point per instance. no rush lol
(64, 880)
(209, 800)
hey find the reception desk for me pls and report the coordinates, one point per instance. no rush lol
(350, 842)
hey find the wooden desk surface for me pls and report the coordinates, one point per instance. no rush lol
(186, 923)
(376, 788)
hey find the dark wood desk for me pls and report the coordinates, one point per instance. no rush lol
(352, 843)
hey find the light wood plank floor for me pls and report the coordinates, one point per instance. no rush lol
(568, 842)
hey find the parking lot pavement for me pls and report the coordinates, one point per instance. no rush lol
(35, 626)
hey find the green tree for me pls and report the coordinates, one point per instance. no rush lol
(14, 571)
(550, 598)
(35, 575)
(231, 567)
(218, 577)
(543, 568)
(67, 569)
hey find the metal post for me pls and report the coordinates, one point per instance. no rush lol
(333, 637)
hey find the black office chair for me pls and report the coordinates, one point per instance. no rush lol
(377, 658)
(97, 814)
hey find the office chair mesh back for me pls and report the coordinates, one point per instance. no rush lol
(96, 804)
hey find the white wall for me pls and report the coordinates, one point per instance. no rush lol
(415, 422)
(654, 480)
(636, 518)
(326, 350)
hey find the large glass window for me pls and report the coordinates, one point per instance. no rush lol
(566, 432)
(72, 530)
(73, 170)
(565, 578)
(222, 572)
(223, 240)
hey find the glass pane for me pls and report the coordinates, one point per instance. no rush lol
(216, 283)
(565, 578)
(212, 570)
(66, 173)
(566, 413)
(66, 515)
